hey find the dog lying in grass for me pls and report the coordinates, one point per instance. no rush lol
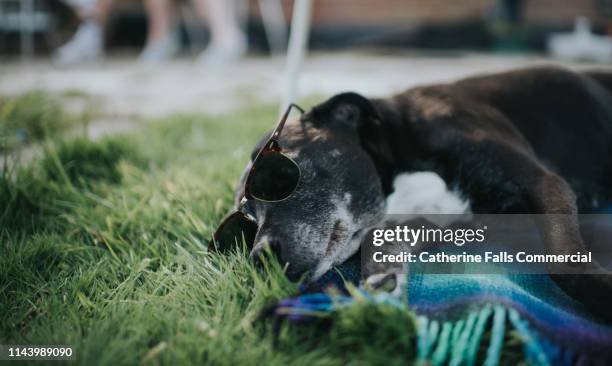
(535, 140)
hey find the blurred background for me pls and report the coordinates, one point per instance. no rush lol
(134, 59)
(125, 125)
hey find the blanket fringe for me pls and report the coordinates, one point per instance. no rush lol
(459, 341)
(446, 342)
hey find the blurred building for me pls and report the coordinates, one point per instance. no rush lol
(437, 24)
(394, 12)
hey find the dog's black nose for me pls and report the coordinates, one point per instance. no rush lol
(271, 246)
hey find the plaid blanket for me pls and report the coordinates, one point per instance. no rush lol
(455, 311)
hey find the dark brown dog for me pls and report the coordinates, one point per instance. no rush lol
(537, 140)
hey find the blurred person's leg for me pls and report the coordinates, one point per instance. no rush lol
(227, 43)
(88, 42)
(162, 39)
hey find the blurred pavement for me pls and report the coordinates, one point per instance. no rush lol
(123, 88)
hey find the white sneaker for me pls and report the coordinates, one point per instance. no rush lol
(582, 44)
(220, 55)
(160, 51)
(85, 46)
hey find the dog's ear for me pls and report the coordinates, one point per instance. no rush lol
(359, 115)
(343, 110)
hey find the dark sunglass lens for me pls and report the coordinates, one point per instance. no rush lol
(233, 231)
(274, 177)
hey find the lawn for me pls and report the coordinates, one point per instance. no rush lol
(103, 246)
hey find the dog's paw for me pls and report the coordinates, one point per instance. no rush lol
(392, 283)
(386, 282)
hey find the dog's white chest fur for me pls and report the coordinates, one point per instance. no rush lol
(422, 193)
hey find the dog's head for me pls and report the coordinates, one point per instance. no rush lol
(338, 196)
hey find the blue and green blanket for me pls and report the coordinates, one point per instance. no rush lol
(454, 312)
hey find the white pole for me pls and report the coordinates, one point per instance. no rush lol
(298, 42)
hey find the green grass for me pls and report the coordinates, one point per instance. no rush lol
(31, 117)
(103, 245)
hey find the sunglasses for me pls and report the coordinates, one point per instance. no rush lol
(273, 177)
